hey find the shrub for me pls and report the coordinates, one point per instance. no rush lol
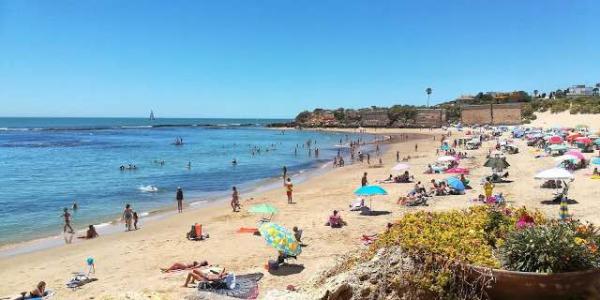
(551, 248)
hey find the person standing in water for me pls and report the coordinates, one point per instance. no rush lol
(284, 173)
(75, 207)
(67, 216)
(179, 198)
(235, 200)
(289, 188)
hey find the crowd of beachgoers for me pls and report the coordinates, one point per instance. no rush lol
(304, 225)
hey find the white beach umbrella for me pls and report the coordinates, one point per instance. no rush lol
(566, 157)
(554, 174)
(446, 158)
(401, 167)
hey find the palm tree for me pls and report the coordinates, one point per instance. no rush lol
(535, 93)
(428, 91)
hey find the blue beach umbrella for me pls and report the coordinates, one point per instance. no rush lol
(445, 147)
(370, 190)
(596, 161)
(455, 183)
(597, 141)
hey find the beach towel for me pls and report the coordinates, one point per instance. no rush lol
(246, 287)
(79, 280)
(247, 230)
(48, 295)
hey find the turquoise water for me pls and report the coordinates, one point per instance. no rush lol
(47, 163)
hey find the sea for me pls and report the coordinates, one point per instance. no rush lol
(47, 164)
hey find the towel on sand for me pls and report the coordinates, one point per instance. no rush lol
(246, 287)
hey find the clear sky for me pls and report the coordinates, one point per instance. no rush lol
(275, 58)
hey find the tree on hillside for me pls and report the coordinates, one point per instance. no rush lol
(428, 92)
(339, 114)
(535, 93)
(596, 90)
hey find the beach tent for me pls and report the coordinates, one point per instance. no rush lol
(401, 167)
(280, 238)
(497, 163)
(455, 183)
(554, 174)
(370, 191)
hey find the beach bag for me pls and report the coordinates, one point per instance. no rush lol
(273, 265)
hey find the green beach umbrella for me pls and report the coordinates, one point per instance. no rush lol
(264, 208)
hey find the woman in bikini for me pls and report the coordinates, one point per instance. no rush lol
(205, 274)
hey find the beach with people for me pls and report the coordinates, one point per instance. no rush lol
(128, 264)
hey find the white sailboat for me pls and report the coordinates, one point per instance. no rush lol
(151, 115)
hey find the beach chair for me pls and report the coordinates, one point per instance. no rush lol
(195, 233)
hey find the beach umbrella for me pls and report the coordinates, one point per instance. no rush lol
(583, 140)
(401, 167)
(577, 154)
(446, 158)
(581, 126)
(497, 163)
(596, 161)
(264, 208)
(573, 136)
(555, 139)
(445, 147)
(369, 191)
(458, 171)
(280, 238)
(554, 174)
(597, 142)
(567, 157)
(455, 183)
(560, 147)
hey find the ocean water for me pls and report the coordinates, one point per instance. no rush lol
(48, 163)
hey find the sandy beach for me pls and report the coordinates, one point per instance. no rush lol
(128, 264)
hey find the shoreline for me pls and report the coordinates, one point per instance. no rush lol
(122, 256)
(114, 225)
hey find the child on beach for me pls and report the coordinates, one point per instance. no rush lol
(135, 220)
(289, 187)
(90, 234)
(235, 200)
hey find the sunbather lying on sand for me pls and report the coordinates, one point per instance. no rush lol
(206, 274)
(178, 266)
(40, 290)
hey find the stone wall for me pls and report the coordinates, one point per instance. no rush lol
(494, 114)
(430, 118)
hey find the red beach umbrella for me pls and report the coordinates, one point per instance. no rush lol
(583, 140)
(555, 139)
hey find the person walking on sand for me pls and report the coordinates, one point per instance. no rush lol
(289, 188)
(364, 180)
(179, 198)
(67, 216)
(235, 200)
(416, 147)
(397, 156)
(128, 216)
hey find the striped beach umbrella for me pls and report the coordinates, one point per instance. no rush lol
(280, 238)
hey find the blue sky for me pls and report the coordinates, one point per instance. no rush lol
(275, 58)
